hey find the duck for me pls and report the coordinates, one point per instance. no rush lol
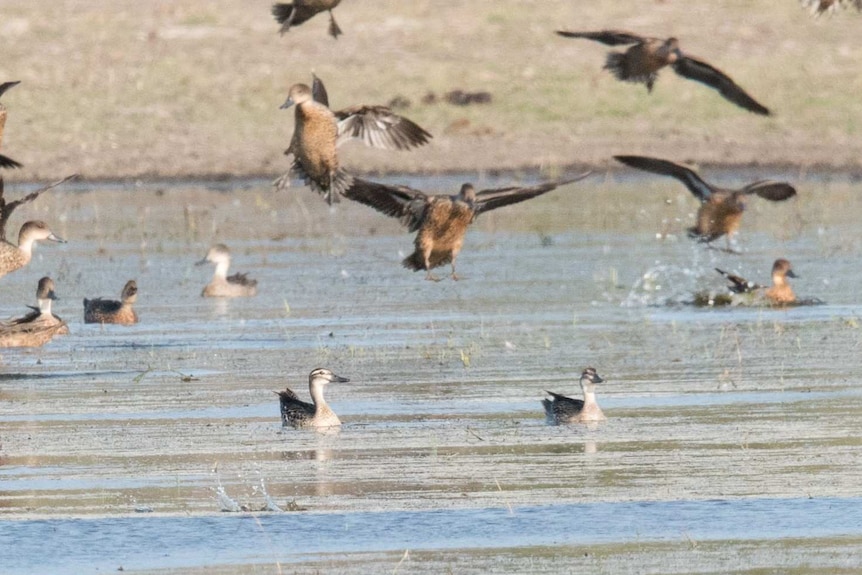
(642, 61)
(820, 7)
(100, 310)
(6, 161)
(562, 409)
(37, 327)
(295, 13)
(441, 220)
(318, 131)
(14, 257)
(721, 209)
(779, 293)
(300, 414)
(223, 285)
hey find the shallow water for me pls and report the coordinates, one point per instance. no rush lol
(733, 429)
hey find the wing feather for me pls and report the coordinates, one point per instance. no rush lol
(700, 71)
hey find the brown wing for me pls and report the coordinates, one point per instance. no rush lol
(770, 190)
(607, 37)
(378, 127)
(400, 202)
(700, 71)
(687, 176)
(487, 200)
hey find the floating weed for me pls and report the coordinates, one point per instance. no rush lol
(465, 357)
(286, 307)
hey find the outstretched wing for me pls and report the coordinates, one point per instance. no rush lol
(770, 190)
(487, 200)
(687, 176)
(607, 37)
(6, 209)
(378, 127)
(738, 284)
(700, 71)
(400, 202)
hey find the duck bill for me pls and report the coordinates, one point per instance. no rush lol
(287, 104)
(55, 238)
(202, 262)
(598, 379)
(790, 274)
(339, 379)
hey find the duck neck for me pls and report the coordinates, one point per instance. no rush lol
(316, 391)
(778, 280)
(44, 305)
(25, 246)
(221, 269)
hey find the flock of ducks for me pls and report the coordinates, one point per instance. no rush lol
(440, 221)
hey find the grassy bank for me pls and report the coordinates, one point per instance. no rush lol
(125, 89)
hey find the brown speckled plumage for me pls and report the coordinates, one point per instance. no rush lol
(721, 209)
(440, 220)
(14, 257)
(100, 310)
(318, 131)
(299, 414)
(643, 60)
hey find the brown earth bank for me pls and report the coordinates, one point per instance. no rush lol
(122, 89)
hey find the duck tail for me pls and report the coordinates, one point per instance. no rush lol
(549, 407)
(616, 63)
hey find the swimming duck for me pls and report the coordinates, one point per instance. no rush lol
(780, 293)
(5, 161)
(295, 13)
(37, 327)
(564, 409)
(318, 131)
(441, 220)
(820, 7)
(14, 257)
(223, 285)
(100, 310)
(642, 62)
(301, 414)
(721, 209)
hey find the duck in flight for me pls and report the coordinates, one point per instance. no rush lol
(441, 220)
(646, 56)
(295, 13)
(318, 131)
(721, 209)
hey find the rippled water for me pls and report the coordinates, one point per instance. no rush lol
(730, 432)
